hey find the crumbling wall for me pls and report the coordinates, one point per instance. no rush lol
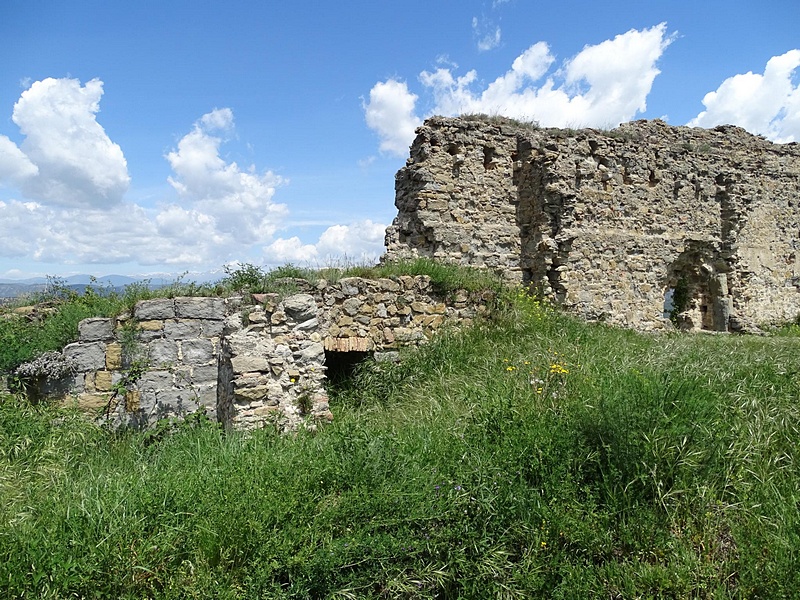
(248, 365)
(611, 224)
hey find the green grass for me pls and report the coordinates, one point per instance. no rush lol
(531, 456)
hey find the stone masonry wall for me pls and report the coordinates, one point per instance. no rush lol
(248, 365)
(612, 224)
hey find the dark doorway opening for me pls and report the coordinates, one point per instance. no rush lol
(340, 367)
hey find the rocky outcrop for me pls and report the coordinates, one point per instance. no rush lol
(626, 226)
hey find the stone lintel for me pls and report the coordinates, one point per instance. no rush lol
(350, 344)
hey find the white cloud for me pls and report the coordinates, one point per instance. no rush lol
(602, 85)
(768, 103)
(390, 113)
(361, 241)
(488, 34)
(72, 211)
(291, 250)
(238, 201)
(66, 158)
(15, 167)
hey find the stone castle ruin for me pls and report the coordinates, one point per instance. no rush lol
(628, 226)
(643, 226)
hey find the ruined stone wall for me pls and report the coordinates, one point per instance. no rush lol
(248, 365)
(612, 224)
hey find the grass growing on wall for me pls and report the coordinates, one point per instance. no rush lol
(59, 310)
(529, 456)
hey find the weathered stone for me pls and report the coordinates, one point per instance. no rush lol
(350, 285)
(300, 307)
(88, 357)
(132, 400)
(163, 352)
(113, 356)
(197, 352)
(313, 352)
(351, 306)
(91, 401)
(96, 329)
(248, 364)
(102, 381)
(309, 325)
(155, 380)
(389, 285)
(182, 329)
(200, 308)
(150, 325)
(158, 309)
(204, 374)
(252, 394)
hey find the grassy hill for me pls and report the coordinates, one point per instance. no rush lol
(529, 456)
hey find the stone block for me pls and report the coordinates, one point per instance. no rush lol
(200, 308)
(251, 394)
(205, 374)
(313, 352)
(92, 401)
(309, 325)
(103, 381)
(197, 352)
(176, 403)
(88, 357)
(96, 329)
(300, 307)
(163, 352)
(133, 400)
(155, 380)
(158, 309)
(350, 285)
(211, 329)
(183, 329)
(245, 363)
(114, 356)
(351, 306)
(150, 325)
(389, 285)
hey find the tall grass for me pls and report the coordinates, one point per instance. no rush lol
(529, 456)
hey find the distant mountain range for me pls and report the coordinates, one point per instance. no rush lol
(15, 288)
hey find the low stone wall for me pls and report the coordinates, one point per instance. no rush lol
(173, 343)
(248, 365)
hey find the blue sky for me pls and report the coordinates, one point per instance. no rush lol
(147, 137)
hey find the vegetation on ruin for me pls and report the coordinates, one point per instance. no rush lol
(531, 455)
(50, 320)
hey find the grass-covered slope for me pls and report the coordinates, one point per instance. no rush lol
(531, 456)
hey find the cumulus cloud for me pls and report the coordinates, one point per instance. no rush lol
(15, 167)
(222, 209)
(390, 113)
(361, 241)
(602, 85)
(72, 180)
(66, 157)
(768, 103)
(238, 202)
